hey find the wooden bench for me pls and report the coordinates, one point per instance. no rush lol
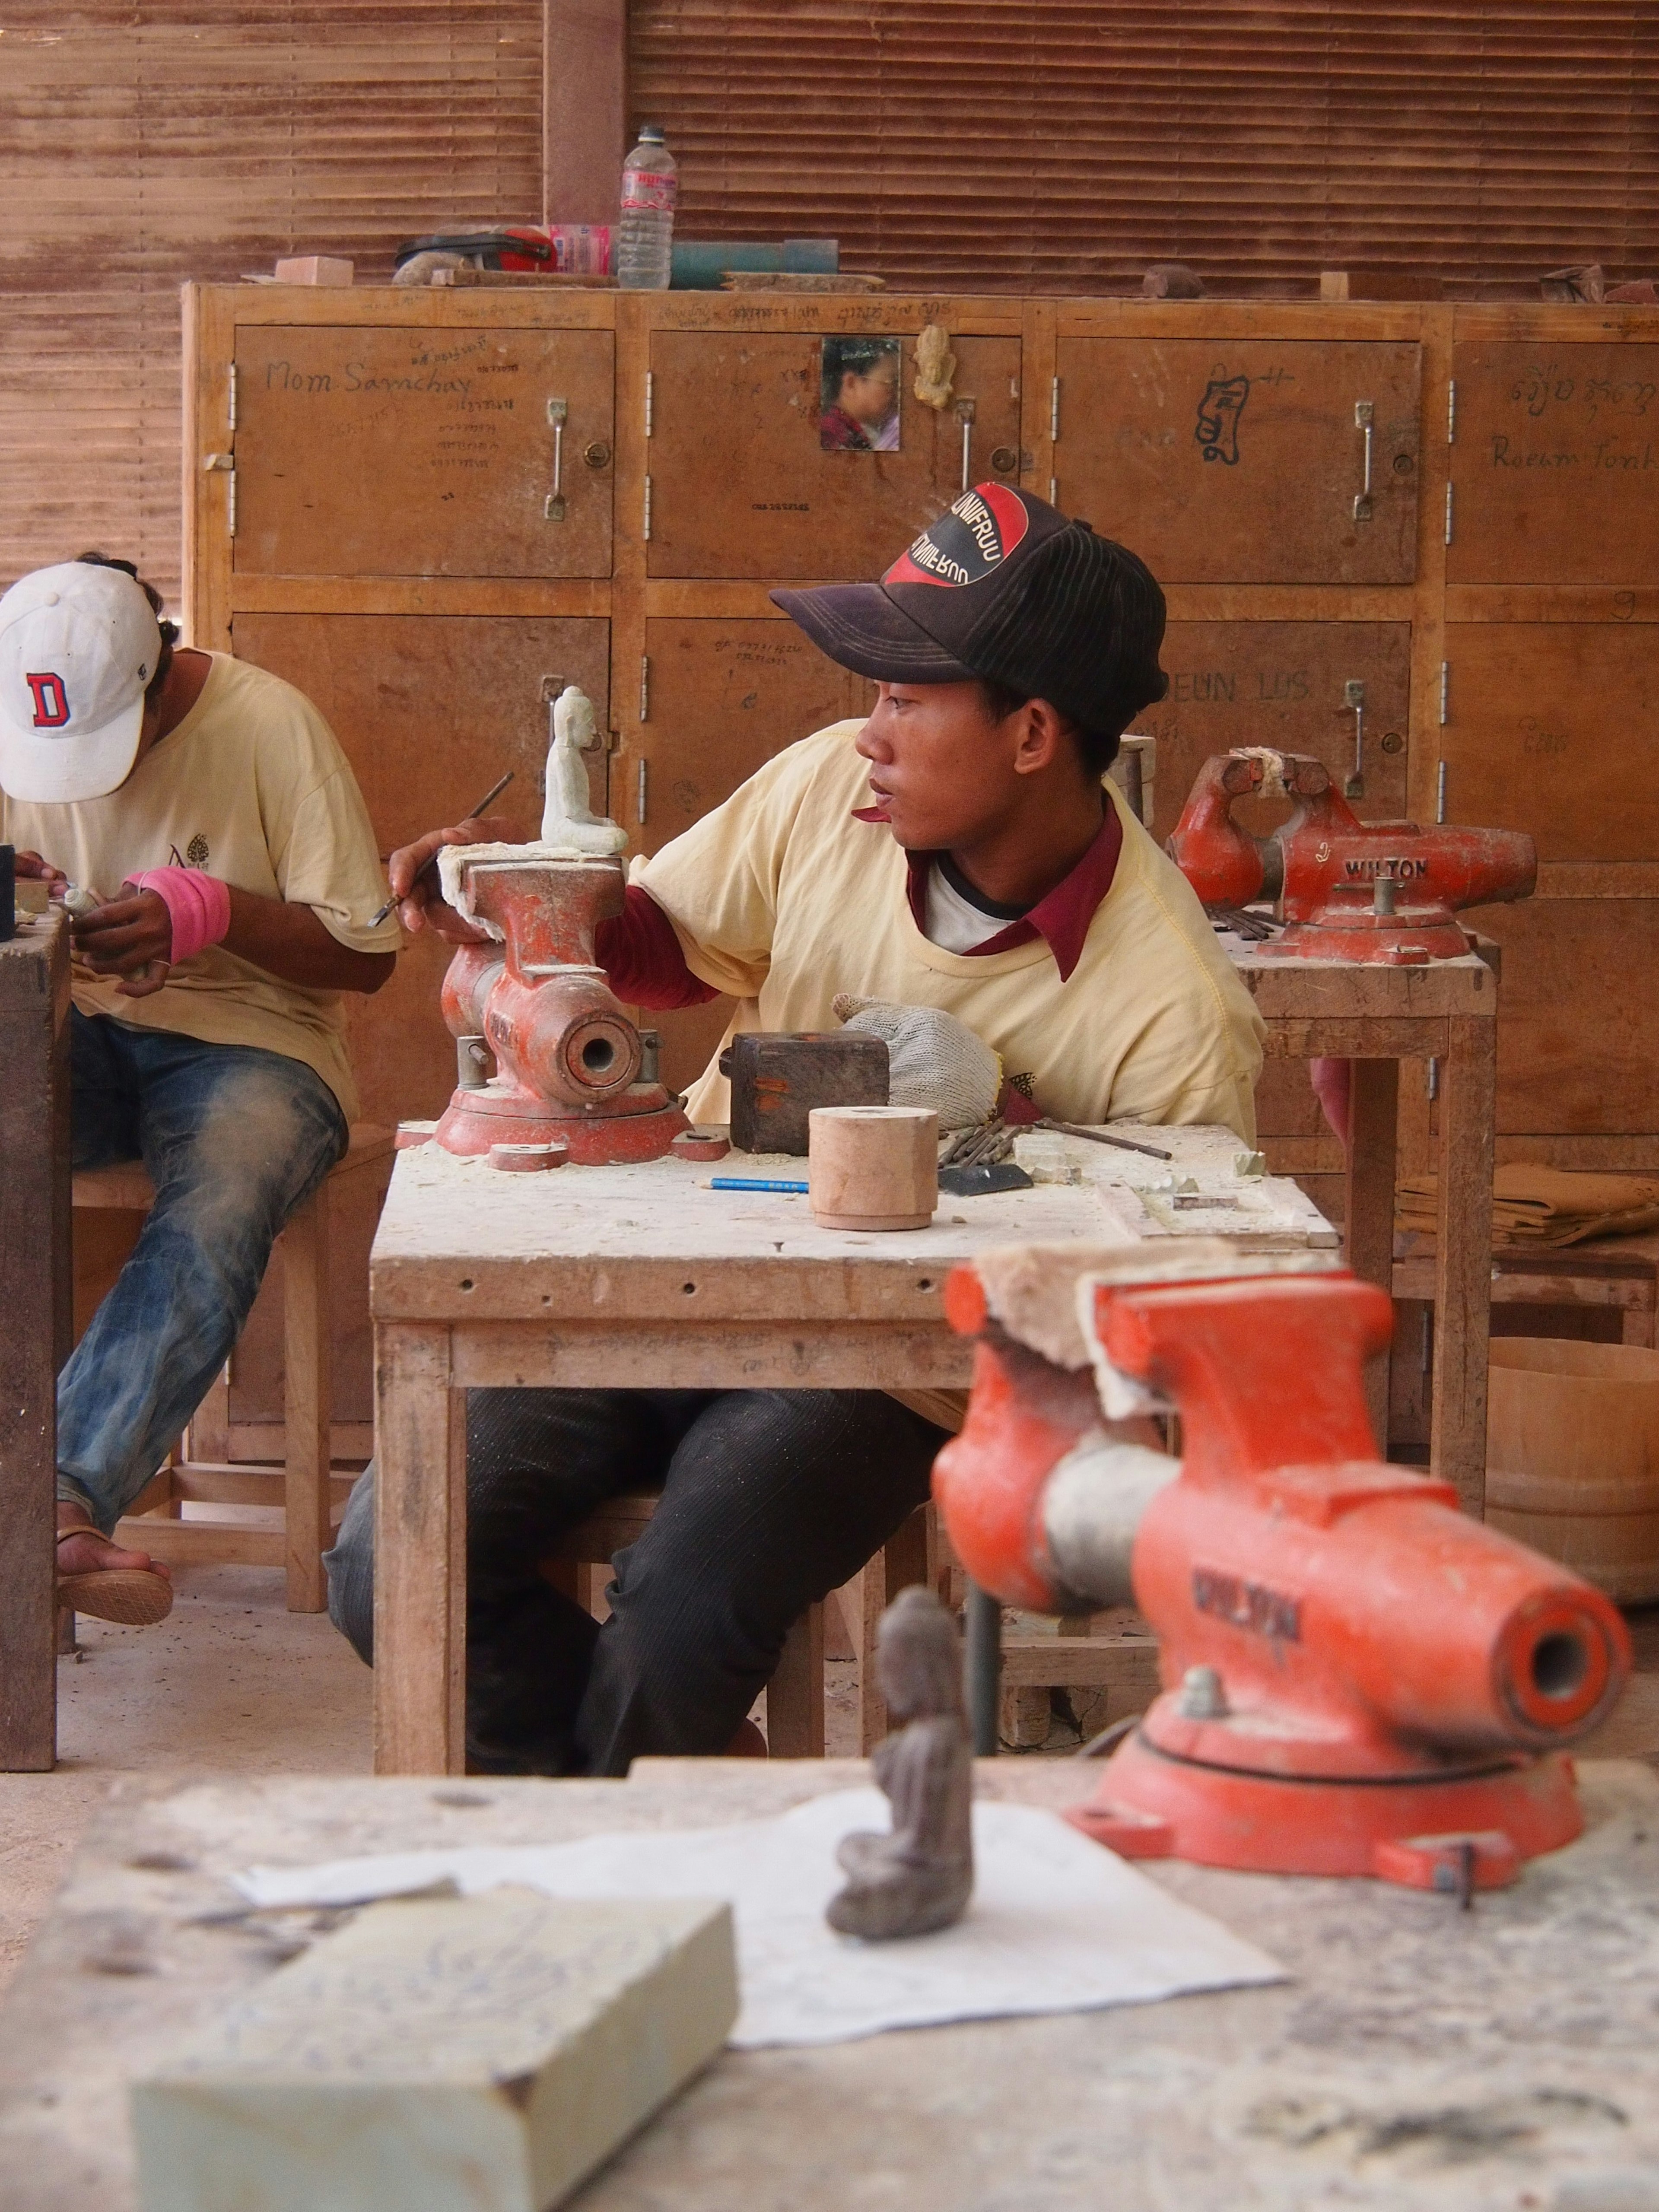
(1620, 1272)
(305, 1484)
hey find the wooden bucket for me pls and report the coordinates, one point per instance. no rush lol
(1573, 1456)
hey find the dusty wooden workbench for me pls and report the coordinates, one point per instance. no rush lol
(1479, 2062)
(1376, 1016)
(643, 1277)
(35, 1286)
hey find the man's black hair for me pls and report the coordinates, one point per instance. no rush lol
(855, 357)
(169, 629)
(1099, 751)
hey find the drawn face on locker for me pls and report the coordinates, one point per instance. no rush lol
(423, 452)
(755, 471)
(1554, 464)
(1550, 729)
(431, 709)
(1244, 460)
(1337, 690)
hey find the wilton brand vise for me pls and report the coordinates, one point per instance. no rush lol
(1359, 1679)
(1348, 889)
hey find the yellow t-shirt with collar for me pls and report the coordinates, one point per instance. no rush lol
(253, 788)
(782, 898)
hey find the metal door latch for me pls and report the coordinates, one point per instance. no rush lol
(1353, 696)
(1364, 418)
(965, 416)
(558, 412)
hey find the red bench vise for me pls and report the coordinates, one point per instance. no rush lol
(1358, 1679)
(569, 1059)
(1348, 889)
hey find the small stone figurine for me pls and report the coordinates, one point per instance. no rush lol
(920, 1877)
(568, 820)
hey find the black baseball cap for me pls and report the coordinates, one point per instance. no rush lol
(1004, 587)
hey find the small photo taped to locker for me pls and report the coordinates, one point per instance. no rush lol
(859, 396)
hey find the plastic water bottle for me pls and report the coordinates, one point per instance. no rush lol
(645, 237)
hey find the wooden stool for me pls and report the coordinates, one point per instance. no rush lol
(794, 1695)
(305, 1487)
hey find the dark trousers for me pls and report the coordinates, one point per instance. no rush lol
(770, 1499)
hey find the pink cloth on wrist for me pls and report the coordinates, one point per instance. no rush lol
(198, 905)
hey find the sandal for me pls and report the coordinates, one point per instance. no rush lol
(133, 1597)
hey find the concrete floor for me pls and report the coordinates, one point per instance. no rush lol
(234, 1682)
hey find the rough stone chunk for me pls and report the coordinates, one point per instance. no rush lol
(480, 2054)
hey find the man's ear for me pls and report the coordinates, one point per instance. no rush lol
(1044, 735)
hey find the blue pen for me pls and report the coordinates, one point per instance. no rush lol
(745, 1183)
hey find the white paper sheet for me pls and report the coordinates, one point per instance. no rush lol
(1057, 1923)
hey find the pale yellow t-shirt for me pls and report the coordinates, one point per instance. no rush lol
(781, 898)
(251, 788)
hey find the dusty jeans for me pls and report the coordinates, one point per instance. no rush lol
(234, 1140)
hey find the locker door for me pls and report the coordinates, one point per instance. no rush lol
(368, 452)
(1287, 684)
(1243, 460)
(431, 709)
(1551, 728)
(741, 484)
(1578, 1020)
(1555, 464)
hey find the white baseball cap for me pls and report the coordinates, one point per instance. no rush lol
(78, 644)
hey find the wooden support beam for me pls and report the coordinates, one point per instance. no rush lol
(35, 1291)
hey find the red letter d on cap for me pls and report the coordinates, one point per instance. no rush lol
(52, 707)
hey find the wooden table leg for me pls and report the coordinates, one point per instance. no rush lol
(420, 1555)
(1462, 1312)
(35, 1281)
(308, 1402)
(1374, 1107)
(900, 1561)
(794, 1695)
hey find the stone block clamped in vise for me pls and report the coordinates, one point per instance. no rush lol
(1347, 890)
(1358, 1677)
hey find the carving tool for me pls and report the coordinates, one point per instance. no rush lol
(1100, 1137)
(430, 867)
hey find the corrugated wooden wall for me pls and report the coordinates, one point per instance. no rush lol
(143, 141)
(1062, 144)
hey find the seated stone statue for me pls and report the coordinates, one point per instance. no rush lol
(569, 822)
(920, 1877)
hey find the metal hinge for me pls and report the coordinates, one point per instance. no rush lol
(645, 529)
(650, 400)
(1440, 793)
(645, 687)
(639, 796)
(1053, 409)
(225, 465)
(230, 399)
(1449, 515)
(1452, 412)
(1445, 692)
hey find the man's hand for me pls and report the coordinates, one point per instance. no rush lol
(131, 936)
(421, 901)
(31, 865)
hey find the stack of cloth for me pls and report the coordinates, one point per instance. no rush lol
(1540, 1209)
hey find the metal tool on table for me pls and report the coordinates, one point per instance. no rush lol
(430, 868)
(777, 1078)
(1348, 889)
(570, 1065)
(1358, 1678)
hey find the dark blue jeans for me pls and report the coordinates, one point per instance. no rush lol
(234, 1140)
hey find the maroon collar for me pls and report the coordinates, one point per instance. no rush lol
(1061, 919)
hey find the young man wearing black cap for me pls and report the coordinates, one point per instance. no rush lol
(958, 853)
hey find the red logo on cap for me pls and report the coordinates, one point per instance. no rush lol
(965, 544)
(52, 707)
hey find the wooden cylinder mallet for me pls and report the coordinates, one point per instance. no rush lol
(873, 1167)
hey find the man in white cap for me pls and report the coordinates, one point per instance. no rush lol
(206, 807)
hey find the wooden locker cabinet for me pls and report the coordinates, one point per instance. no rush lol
(1244, 459)
(740, 484)
(404, 451)
(1555, 455)
(1287, 684)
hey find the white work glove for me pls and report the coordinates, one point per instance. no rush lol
(932, 1059)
